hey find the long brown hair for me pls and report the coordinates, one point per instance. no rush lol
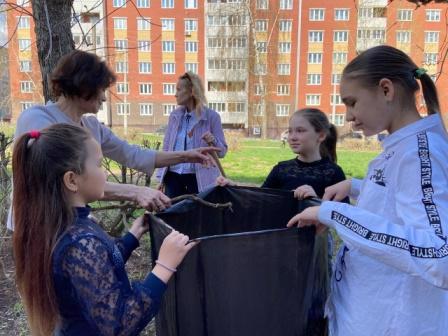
(41, 212)
(320, 123)
(384, 61)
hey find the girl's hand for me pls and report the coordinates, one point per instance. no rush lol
(208, 137)
(338, 191)
(139, 227)
(172, 252)
(308, 217)
(222, 181)
(304, 191)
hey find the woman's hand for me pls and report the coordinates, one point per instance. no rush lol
(201, 155)
(304, 191)
(222, 181)
(308, 217)
(151, 199)
(338, 191)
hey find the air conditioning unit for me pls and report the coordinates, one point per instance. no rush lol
(188, 34)
(256, 131)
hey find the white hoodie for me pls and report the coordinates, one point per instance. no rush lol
(391, 274)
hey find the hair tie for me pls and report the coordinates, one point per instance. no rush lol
(419, 72)
(34, 134)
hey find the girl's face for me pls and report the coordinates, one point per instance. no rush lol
(92, 181)
(369, 109)
(183, 92)
(302, 137)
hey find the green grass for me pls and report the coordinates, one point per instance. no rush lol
(255, 159)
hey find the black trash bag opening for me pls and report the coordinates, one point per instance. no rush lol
(249, 275)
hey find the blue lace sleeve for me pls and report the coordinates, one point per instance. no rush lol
(126, 245)
(108, 301)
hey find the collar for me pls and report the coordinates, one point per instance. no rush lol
(82, 212)
(181, 110)
(421, 125)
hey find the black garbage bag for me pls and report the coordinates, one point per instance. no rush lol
(249, 275)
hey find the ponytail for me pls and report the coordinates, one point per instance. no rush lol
(328, 146)
(430, 94)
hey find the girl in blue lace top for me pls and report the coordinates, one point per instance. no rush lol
(70, 274)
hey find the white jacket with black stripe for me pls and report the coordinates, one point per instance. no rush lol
(391, 274)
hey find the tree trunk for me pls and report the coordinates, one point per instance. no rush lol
(52, 16)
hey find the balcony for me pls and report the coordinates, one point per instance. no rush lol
(233, 117)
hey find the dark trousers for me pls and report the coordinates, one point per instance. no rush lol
(180, 184)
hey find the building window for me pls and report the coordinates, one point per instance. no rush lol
(167, 3)
(315, 36)
(192, 67)
(338, 119)
(283, 69)
(216, 64)
(191, 4)
(379, 34)
(24, 44)
(144, 46)
(314, 58)
(404, 15)
(24, 22)
(431, 37)
(191, 47)
(144, 67)
(216, 42)
(169, 68)
(261, 69)
(169, 89)
(340, 58)
(145, 109)
(216, 86)
(340, 36)
(335, 99)
(145, 88)
(26, 86)
(168, 108)
(236, 107)
(262, 4)
(284, 47)
(403, 36)
(121, 44)
(236, 64)
(25, 66)
(143, 23)
(143, 3)
(257, 110)
(119, 3)
(336, 78)
(122, 87)
(314, 79)
(259, 89)
(433, 15)
(285, 4)
(261, 25)
(313, 99)
(430, 58)
(191, 25)
(123, 109)
(167, 24)
(341, 14)
(25, 105)
(168, 46)
(262, 47)
(282, 110)
(285, 25)
(217, 106)
(237, 42)
(121, 67)
(120, 23)
(317, 14)
(283, 90)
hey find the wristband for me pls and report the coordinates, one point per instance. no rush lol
(173, 270)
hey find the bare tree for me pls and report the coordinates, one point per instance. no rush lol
(52, 20)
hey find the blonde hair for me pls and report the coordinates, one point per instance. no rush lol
(197, 90)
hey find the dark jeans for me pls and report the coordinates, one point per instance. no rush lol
(180, 184)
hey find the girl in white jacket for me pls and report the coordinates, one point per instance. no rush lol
(391, 274)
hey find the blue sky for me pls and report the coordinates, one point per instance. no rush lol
(2, 28)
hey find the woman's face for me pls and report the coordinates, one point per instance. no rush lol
(183, 92)
(93, 105)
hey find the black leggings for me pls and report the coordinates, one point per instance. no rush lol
(180, 184)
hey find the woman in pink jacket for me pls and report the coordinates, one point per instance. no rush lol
(191, 125)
